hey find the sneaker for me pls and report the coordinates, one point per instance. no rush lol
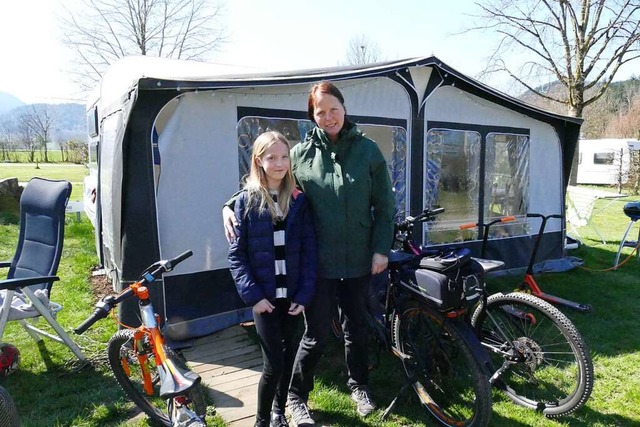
(364, 401)
(299, 412)
(278, 420)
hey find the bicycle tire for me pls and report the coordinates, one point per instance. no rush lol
(553, 373)
(446, 377)
(121, 346)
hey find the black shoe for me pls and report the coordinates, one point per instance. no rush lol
(278, 420)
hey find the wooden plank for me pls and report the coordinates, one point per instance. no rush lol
(243, 422)
(198, 356)
(246, 361)
(230, 364)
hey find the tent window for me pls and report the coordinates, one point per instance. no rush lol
(453, 181)
(506, 175)
(391, 140)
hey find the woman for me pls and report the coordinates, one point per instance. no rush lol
(345, 178)
(273, 262)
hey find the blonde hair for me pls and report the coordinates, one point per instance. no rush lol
(256, 181)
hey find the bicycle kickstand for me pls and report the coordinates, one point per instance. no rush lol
(529, 283)
(393, 403)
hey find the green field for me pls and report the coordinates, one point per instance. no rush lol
(25, 171)
(54, 156)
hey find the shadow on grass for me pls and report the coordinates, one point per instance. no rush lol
(88, 393)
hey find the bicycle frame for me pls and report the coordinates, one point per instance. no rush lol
(172, 380)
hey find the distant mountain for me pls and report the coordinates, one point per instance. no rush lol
(68, 124)
(8, 102)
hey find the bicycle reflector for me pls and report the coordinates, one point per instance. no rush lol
(9, 358)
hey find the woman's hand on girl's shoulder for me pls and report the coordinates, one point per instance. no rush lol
(229, 221)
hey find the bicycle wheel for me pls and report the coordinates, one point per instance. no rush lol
(547, 366)
(128, 372)
(441, 368)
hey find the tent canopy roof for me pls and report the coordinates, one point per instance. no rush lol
(151, 73)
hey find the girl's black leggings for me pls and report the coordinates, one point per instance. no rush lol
(279, 338)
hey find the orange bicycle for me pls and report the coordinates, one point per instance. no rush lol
(154, 377)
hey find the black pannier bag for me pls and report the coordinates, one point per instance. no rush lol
(450, 280)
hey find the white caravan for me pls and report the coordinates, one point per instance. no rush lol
(605, 161)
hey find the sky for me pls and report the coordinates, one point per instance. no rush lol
(262, 35)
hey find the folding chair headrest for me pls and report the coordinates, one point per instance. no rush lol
(45, 197)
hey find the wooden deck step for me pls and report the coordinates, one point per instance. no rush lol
(230, 364)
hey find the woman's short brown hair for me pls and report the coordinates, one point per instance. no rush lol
(322, 87)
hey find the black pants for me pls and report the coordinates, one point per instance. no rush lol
(352, 297)
(278, 334)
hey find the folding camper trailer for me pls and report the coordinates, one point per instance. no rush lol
(171, 141)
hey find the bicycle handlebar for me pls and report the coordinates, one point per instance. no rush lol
(537, 215)
(488, 224)
(106, 304)
(426, 215)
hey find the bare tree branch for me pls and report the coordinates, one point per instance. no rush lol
(580, 43)
(362, 50)
(98, 32)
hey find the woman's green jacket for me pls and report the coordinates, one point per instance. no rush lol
(347, 184)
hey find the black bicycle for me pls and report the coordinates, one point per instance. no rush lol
(420, 318)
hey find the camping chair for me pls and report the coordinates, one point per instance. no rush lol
(580, 203)
(25, 293)
(580, 207)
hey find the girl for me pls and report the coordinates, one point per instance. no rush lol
(273, 262)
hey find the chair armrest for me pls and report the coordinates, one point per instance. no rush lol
(5, 264)
(26, 281)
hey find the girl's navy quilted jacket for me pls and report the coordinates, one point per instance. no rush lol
(252, 255)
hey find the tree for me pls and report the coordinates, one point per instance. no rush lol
(362, 50)
(40, 118)
(580, 44)
(8, 133)
(26, 137)
(101, 31)
(627, 123)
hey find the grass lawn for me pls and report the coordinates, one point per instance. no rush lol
(49, 392)
(25, 171)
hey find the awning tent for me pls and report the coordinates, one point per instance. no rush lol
(172, 140)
